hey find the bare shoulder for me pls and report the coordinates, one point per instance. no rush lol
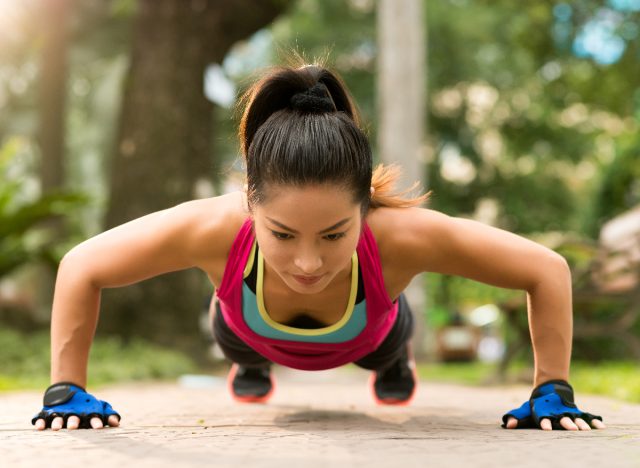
(401, 233)
(214, 224)
(221, 216)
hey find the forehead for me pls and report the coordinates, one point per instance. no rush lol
(308, 203)
(322, 193)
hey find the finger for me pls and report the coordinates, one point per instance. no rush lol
(57, 423)
(512, 423)
(96, 423)
(114, 421)
(73, 422)
(545, 425)
(568, 424)
(582, 424)
(41, 425)
(597, 424)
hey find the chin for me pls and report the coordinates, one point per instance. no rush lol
(307, 289)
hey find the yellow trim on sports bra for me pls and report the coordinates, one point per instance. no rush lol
(249, 266)
(303, 331)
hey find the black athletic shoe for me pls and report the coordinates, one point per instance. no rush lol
(250, 384)
(397, 384)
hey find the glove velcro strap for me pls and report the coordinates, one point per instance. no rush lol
(560, 387)
(60, 393)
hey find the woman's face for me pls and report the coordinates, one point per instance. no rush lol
(308, 235)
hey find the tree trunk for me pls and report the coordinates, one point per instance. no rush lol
(401, 97)
(164, 146)
(52, 104)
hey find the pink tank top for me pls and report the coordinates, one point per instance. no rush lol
(380, 310)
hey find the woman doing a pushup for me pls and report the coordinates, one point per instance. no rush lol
(309, 263)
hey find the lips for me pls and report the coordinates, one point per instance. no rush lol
(307, 279)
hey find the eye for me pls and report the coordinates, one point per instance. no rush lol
(335, 237)
(280, 235)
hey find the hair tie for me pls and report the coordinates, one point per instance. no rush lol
(315, 99)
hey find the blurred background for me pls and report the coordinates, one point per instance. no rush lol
(522, 115)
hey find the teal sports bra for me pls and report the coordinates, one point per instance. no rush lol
(302, 328)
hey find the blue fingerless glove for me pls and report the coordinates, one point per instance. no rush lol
(551, 400)
(66, 399)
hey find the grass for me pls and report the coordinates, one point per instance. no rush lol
(25, 361)
(616, 379)
(619, 380)
(474, 373)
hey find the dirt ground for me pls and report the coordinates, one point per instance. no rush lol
(316, 419)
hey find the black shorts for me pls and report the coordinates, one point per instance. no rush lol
(382, 357)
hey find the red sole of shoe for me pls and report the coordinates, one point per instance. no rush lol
(247, 399)
(395, 401)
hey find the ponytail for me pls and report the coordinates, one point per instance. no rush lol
(383, 182)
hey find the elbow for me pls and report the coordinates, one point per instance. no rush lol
(556, 270)
(552, 268)
(74, 267)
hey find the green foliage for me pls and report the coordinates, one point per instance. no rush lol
(545, 111)
(615, 379)
(23, 236)
(112, 361)
(456, 291)
(619, 187)
(437, 316)
(26, 359)
(475, 373)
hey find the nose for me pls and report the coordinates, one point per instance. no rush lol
(308, 262)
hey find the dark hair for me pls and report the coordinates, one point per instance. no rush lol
(300, 126)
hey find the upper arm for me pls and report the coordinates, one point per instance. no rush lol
(433, 241)
(184, 236)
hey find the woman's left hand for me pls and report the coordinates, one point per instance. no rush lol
(551, 406)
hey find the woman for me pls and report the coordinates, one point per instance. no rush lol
(309, 263)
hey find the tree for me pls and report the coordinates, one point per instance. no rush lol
(164, 146)
(53, 81)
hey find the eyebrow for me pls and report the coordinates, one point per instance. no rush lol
(331, 228)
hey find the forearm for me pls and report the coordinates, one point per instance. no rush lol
(551, 324)
(74, 318)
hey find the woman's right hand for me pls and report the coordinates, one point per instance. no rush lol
(68, 405)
